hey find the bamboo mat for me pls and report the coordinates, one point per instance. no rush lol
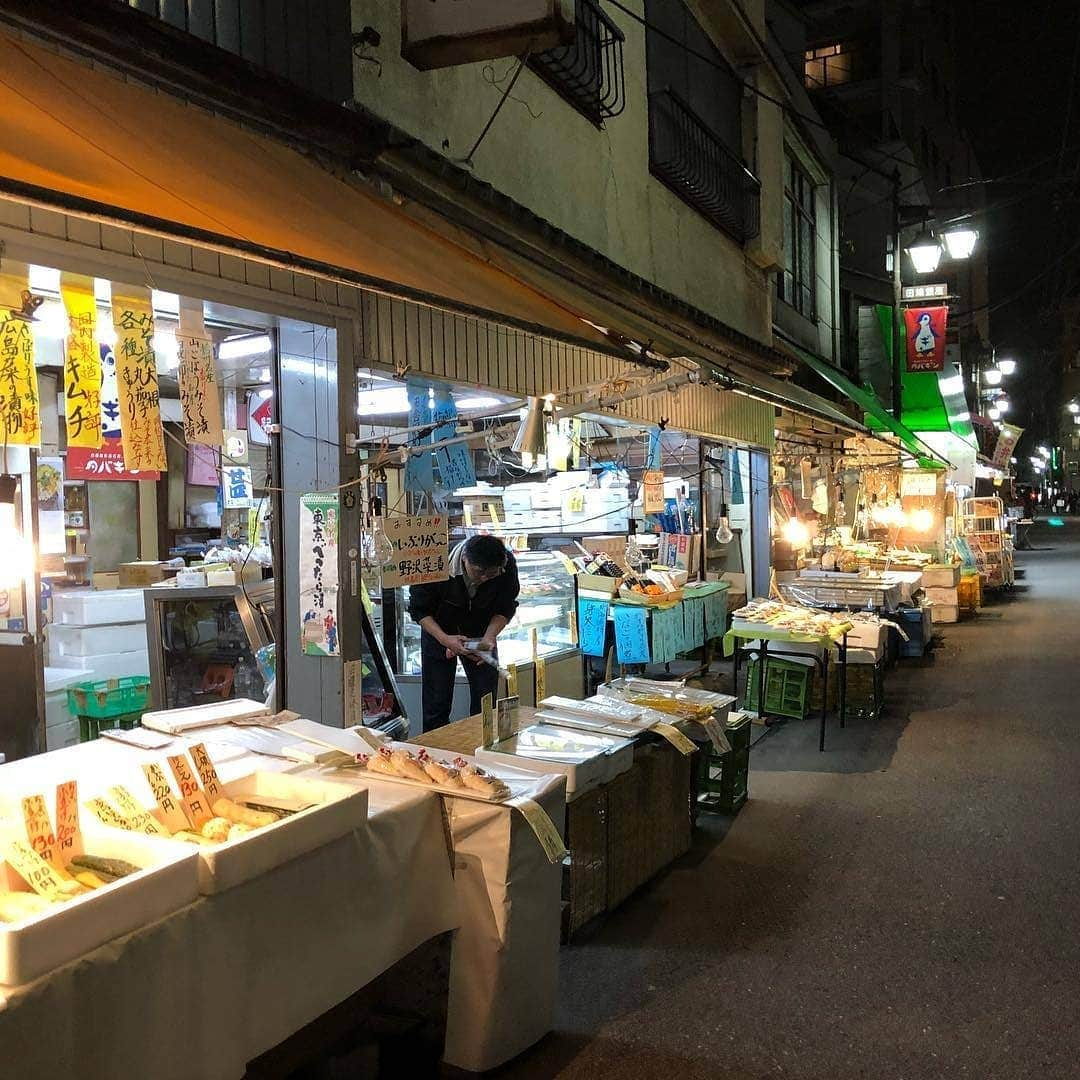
(464, 736)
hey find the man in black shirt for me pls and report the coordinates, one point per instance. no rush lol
(476, 602)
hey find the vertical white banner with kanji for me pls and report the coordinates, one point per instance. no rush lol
(319, 634)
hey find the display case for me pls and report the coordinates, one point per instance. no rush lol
(546, 602)
(202, 645)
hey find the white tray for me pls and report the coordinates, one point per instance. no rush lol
(174, 721)
(169, 882)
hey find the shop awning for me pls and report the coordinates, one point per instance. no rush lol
(88, 143)
(877, 416)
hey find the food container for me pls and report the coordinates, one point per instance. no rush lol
(168, 881)
(86, 608)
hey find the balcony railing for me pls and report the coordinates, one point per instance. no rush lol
(589, 71)
(692, 160)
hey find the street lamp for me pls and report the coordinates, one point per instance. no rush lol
(993, 413)
(924, 252)
(1007, 367)
(1073, 407)
(1045, 453)
(1003, 405)
(960, 241)
(992, 376)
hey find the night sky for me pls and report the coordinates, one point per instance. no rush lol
(1017, 64)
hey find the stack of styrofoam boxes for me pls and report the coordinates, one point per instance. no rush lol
(866, 641)
(102, 635)
(61, 728)
(939, 584)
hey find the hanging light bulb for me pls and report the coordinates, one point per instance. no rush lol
(530, 441)
(633, 557)
(922, 520)
(724, 535)
(796, 533)
(16, 552)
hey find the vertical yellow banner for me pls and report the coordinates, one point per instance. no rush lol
(20, 404)
(200, 394)
(137, 382)
(82, 364)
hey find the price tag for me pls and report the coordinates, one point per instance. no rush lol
(511, 680)
(68, 834)
(468, 515)
(532, 642)
(717, 735)
(192, 797)
(494, 512)
(609, 669)
(34, 870)
(543, 829)
(487, 714)
(168, 808)
(573, 626)
(674, 736)
(140, 818)
(541, 680)
(575, 501)
(508, 707)
(107, 814)
(207, 773)
(39, 830)
(567, 562)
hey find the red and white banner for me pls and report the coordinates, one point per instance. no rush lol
(106, 463)
(924, 332)
(1008, 437)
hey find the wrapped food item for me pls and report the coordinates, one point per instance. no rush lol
(242, 815)
(239, 829)
(441, 773)
(189, 837)
(476, 779)
(16, 906)
(407, 766)
(217, 829)
(379, 763)
(106, 869)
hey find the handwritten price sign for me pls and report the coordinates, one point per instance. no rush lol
(420, 551)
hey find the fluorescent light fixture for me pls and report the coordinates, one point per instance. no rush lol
(43, 279)
(477, 402)
(954, 384)
(1076, 419)
(925, 253)
(960, 242)
(1006, 367)
(17, 564)
(992, 376)
(1045, 453)
(249, 345)
(382, 401)
(994, 414)
(165, 303)
(1012, 461)
(165, 344)
(51, 321)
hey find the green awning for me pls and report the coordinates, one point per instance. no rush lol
(877, 416)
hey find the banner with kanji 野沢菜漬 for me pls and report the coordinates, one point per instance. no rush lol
(137, 381)
(319, 634)
(82, 364)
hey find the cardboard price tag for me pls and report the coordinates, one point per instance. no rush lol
(487, 714)
(141, 819)
(674, 736)
(168, 808)
(34, 870)
(107, 814)
(717, 735)
(68, 834)
(511, 680)
(540, 667)
(543, 829)
(207, 773)
(504, 723)
(192, 797)
(39, 830)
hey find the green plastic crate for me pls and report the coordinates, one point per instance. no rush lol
(90, 727)
(109, 699)
(724, 779)
(787, 688)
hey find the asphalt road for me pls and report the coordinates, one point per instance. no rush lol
(905, 905)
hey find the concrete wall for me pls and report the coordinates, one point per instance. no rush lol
(592, 183)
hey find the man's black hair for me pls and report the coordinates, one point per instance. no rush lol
(485, 552)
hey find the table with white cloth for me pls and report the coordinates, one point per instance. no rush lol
(206, 990)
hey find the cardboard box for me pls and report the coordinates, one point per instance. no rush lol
(942, 595)
(680, 551)
(135, 575)
(598, 583)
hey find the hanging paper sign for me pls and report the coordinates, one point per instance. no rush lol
(82, 366)
(235, 447)
(716, 614)
(420, 551)
(236, 488)
(631, 633)
(419, 471)
(200, 394)
(694, 622)
(20, 406)
(652, 459)
(667, 631)
(924, 330)
(1007, 439)
(652, 486)
(137, 383)
(105, 463)
(319, 634)
(918, 483)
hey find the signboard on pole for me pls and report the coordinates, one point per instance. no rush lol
(1008, 437)
(924, 333)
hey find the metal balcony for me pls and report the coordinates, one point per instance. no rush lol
(588, 72)
(692, 160)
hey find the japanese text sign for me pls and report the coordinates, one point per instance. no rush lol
(82, 365)
(924, 333)
(200, 393)
(319, 634)
(1007, 439)
(420, 551)
(236, 489)
(105, 463)
(20, 403)
(137, 383)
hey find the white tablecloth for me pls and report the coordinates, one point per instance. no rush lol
(201, 993)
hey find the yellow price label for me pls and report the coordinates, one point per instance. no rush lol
(541, 680)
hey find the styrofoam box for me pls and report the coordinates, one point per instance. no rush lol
(866, 635)
(546, 497)
(99, 666)
(938, 595)
(168, 882)
(944, 613)
(342, 809)
(86, 640)
(517, 497)
(941, 577)
(61, 735)
(88, 608)
(861, 655)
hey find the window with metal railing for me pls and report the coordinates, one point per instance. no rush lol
(693, 161)
(588, 72)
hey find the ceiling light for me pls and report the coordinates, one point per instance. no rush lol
(1006, 367)
(530, 441)
(249, 345)
(478, 402)
(386, 400)
(960, 242)
(954, 384)
(993, 414)
(925, 253)
(992, 376)
(1003, 404)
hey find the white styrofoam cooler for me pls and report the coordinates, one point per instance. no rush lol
(941, 577)
(87, 607)
(168, 882)
(944, 613)
(89, 640)
(943, 595)
(98, 666)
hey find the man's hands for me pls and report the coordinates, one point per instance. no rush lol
(456, 646)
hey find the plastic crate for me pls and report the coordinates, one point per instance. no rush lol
(787, 688)
(111, 698)
(90, 727)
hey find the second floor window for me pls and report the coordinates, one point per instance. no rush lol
(796, 279)
(828, 65)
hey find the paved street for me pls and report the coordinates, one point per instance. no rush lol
(902, 906)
